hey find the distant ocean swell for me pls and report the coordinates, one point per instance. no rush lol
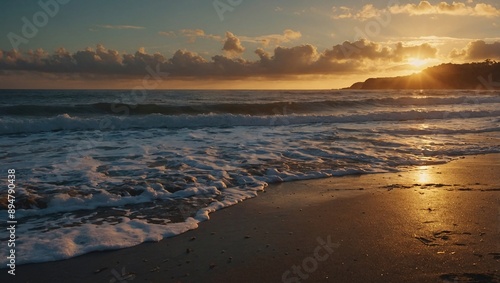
(238, 108)
(12, 125)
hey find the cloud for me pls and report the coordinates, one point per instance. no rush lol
(185, 63)
(288, 35)
(368, 50)
(423, 51)
(454, 9)
(232, 45)
(361, 49)
(120, 27)
(273, 39)
(167, 33)
(345, 58)
(194, 34)
(367, 12)
(422, 8)
(98, 61)
(342, 12)
(478, 50)
(294, 60)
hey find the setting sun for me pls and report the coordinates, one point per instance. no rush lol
(417, 62)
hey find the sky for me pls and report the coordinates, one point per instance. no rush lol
(236, 44)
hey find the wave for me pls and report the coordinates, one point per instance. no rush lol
(272, 108)
(66, 122)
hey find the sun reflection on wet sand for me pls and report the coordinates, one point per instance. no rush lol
(422, 175)
(436, 206)
(430, 177)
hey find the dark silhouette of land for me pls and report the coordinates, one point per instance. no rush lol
(480, 75)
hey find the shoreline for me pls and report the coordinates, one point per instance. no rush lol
(435, 223)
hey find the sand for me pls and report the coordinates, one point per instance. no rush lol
(437, 223)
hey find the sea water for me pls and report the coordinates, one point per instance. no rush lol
(98, 170)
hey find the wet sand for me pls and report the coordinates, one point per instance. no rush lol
(437, 223)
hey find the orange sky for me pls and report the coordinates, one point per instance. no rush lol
(252, 45)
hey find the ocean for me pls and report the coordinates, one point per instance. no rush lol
(101, 169)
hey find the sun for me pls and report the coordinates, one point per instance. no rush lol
(417, 62)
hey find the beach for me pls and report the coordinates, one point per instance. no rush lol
(437, 223)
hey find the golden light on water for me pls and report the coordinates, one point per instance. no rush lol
(424, 126)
